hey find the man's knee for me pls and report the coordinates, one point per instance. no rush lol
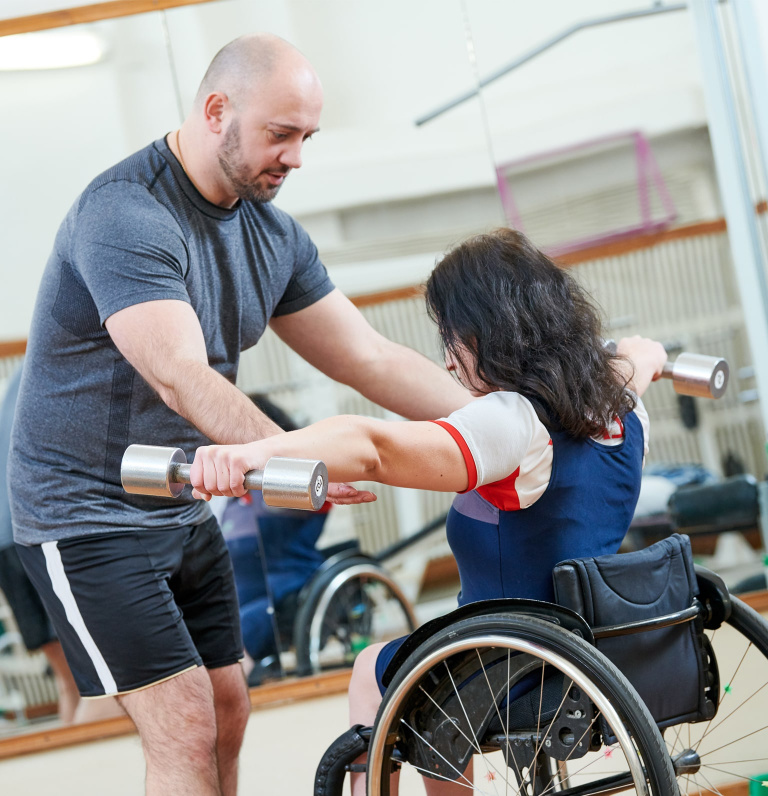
(231, 699)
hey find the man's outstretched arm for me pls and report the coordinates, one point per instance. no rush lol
(334, 336)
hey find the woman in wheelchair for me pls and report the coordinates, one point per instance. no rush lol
(545, 458)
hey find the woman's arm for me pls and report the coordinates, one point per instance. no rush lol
(643, 363)
(419, 455)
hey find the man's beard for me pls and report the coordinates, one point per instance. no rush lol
(235, 171)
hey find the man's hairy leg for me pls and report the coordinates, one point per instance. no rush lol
(177, 726)
(233, 707)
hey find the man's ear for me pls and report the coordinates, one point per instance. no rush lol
(215, 107)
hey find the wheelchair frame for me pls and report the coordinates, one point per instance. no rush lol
(548, 631)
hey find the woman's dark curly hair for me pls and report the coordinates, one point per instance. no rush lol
(531, 329)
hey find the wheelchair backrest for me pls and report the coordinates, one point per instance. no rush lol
(643, 611)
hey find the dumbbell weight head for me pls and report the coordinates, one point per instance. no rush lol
(698, 375)
(150, 470)
(295, 483)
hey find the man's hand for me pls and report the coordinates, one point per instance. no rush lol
(346, 495)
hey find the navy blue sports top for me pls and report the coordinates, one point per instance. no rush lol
(585, 510)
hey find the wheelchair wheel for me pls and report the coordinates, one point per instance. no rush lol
(731, 748)
(349, 606)
(538, 708)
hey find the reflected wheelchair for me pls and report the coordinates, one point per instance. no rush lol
(350, 601)
(647, 675)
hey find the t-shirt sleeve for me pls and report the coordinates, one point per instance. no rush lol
(310, 281)
(494, 433)
(128, 249)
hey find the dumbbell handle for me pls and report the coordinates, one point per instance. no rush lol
(180, 474)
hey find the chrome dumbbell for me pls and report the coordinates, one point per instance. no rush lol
(285, 483)
(698, 375)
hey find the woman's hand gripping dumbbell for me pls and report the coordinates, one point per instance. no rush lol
(697, 375)
(287, 483)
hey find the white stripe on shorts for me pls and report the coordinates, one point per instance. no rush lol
(63, 591)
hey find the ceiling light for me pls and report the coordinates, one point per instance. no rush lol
(56, 49)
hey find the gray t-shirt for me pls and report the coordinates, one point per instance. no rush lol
(139, 232)
(7, 409)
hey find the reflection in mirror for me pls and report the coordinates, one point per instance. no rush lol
(83, 96)
(304, 609)
(80, 119)
(381, 198)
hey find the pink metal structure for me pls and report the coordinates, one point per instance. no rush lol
(648, 176)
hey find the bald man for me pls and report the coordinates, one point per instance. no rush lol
(166, 267)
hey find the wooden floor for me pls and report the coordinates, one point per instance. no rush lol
(283, 744)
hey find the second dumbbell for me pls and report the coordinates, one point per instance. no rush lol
(698, 375)
(285, 483)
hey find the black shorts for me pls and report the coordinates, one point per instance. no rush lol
(27, 607)
(134, 608)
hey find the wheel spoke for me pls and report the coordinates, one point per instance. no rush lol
(734, 774)
(450, 718)
(722, 696)
(712, 787)
(557, 713)
(429, 746)
(678, 729)
(469, 724)
(575, 746)
(431, 774)
(735, 710)
(730, 743)
(510, 753)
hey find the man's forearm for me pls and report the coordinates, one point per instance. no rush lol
(213, 405)
(407, 383)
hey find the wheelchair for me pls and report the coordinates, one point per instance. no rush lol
(349, 602)
(529, 693)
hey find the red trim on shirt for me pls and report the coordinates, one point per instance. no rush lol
(502, 494)
(465, 451)
(620, 435)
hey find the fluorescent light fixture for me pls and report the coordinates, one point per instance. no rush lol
(55, 49)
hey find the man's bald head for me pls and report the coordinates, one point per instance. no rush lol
(248, 62)
(257, 105)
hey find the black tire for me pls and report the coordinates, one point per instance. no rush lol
(733, 746)
(586, 671)
(350, 605)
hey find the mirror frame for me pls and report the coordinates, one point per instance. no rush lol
(89, 13)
